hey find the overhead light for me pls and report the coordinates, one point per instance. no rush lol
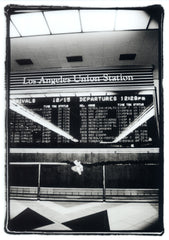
(153, 24)
(13, 31)
(29, 24)
(97, 20)
(69, 94)
(82, 94)
(98, 93)
(131, 20)
(63, 21)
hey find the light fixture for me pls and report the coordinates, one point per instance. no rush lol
(153, 24)
(99, 94)
(13, 31)
(82, 94)
(131, 20)
(24, 111)
(75, 21)
(63, 21)
(97, 20)
(30, 24)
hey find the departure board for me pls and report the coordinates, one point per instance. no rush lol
(94, 120)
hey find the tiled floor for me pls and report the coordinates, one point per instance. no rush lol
(121, 216)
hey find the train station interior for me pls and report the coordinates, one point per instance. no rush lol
(84, 120)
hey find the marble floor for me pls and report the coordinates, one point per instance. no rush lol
(54, 216)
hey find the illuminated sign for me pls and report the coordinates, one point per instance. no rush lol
(95, 121)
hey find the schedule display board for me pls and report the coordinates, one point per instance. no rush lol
(94, 120)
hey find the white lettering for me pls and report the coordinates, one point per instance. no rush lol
(26, 100)
(85, 78)
(29, 81)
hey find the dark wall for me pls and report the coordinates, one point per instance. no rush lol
(117, 176)
(63, 176)
(23, 175)
(132, 176)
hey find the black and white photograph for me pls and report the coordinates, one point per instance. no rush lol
(84, 120)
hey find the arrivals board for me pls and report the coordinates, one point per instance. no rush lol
(94, 120)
